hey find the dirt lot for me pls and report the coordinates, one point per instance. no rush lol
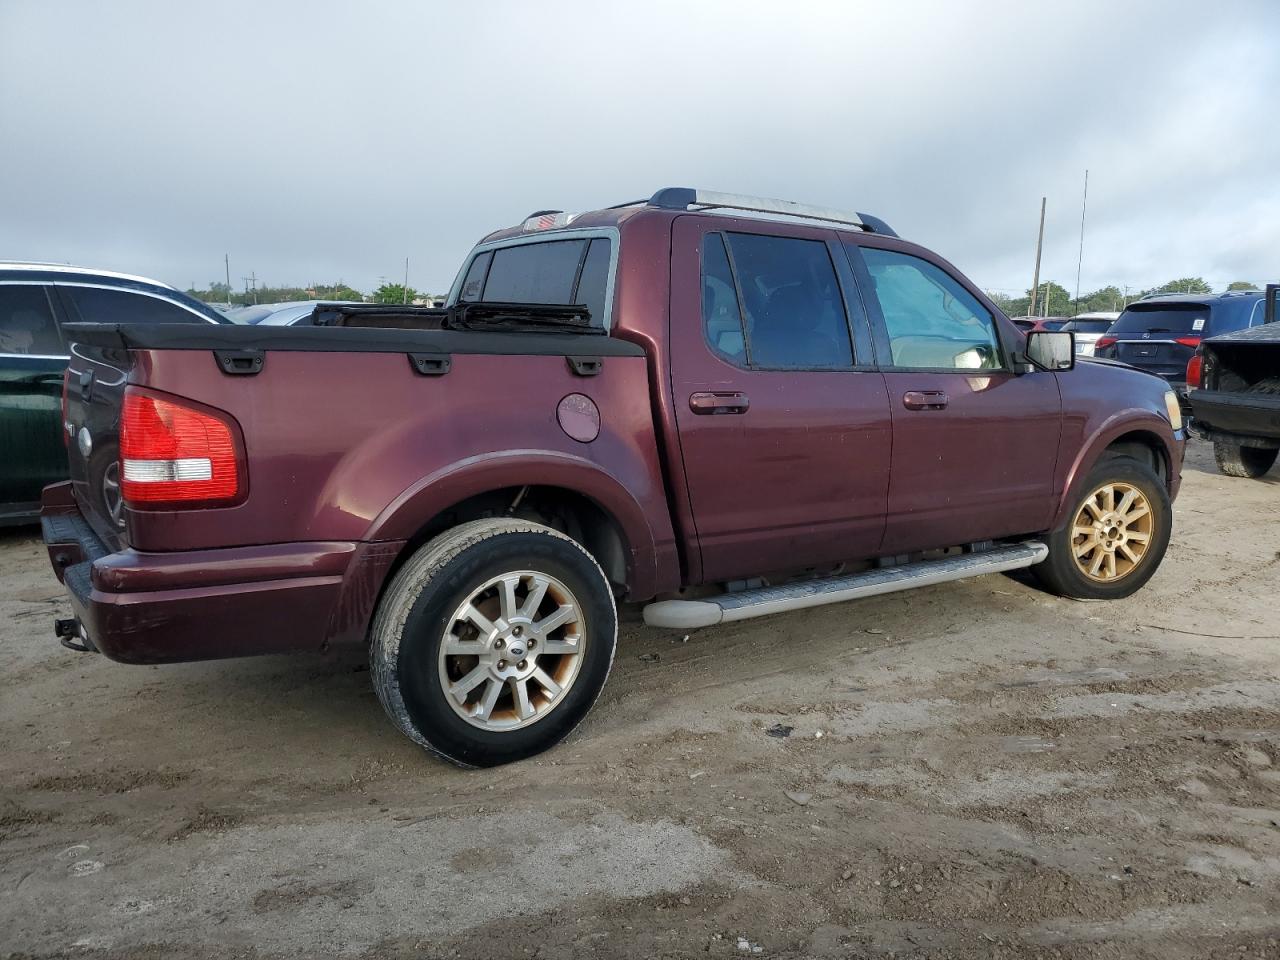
(972, 770)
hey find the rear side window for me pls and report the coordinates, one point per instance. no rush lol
(784, 312)
(554, 272)
(933, 322)
(27, 327)
(1164, 322)
(473, 285)
(99, 305)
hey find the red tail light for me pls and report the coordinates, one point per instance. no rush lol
(1104, 342)
(172, 453)
(1195, 368)
(1188, 341)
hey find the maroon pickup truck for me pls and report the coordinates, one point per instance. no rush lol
(720, 406)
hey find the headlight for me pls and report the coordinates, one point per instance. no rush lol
(1174, 409)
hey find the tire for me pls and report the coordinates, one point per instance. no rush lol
(1236, 461)
(465, 569)
(1120, 577)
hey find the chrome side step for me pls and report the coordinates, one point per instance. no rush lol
(688, 614)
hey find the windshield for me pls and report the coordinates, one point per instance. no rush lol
(1175, 320)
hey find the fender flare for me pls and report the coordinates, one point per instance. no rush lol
(1111, 429)
(435, 493)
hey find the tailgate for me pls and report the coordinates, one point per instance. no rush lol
(1166, 358)
(96, 379)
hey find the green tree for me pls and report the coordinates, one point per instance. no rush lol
(1184, 285)
(395, 293)
(1241, 285)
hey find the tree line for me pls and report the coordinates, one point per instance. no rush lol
(1110, 298)
(218, 293)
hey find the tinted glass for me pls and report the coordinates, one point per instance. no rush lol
(721, 320)
(933, 322)
(473, 285)
(97, 305)
(793, 312)
(594, 281)
(1088, 326)
(26, 322)
(1164, 322)
(534, 272)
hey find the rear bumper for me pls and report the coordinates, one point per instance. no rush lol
(200, 605)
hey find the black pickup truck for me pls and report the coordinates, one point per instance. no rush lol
(1235, 400)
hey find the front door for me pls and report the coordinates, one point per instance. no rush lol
(32, 361)
(974, 444)
(783, 423)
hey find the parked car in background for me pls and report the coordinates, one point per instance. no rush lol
(1027, 324)
(285, 314)
(1089, 328)
(36, 299)
(1234, 392)
(1160, 334)
(675, 393)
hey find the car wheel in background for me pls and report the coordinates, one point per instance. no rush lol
(493, 641)
(1115, 536)
(1236, 461)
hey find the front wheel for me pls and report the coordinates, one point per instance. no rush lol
(1116, 534)
(493, 641)
(1237, 461)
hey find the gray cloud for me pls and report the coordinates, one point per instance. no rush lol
(313, 141)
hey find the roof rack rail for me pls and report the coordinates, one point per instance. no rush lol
(681, 198)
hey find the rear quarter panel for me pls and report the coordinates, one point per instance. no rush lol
(359, 447)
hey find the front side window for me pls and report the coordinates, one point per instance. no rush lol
(933, 322)
(785, 311)
(100, 305)
(27, 327)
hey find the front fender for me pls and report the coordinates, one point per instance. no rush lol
(648, 551)
(1107, 432)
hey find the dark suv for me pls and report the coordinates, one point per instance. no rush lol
(1160, 334)
(36, 299)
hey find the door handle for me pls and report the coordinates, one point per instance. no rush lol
(925, 400)
(716, 403)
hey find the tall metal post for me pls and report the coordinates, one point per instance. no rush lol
(1035, 282)
(1084, 206)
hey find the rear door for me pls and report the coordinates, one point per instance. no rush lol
(32, 360)
(783, 420)
(974, 444)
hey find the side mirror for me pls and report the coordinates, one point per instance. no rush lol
(1051, 349)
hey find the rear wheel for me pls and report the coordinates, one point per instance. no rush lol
(493, 641)
(1237, 461)
(1116, 534)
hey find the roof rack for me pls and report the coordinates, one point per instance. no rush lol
(682, 198)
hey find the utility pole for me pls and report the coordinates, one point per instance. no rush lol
(226, 262)
(251, 279)
(1035, 282)
(1084, 206)
(405, 298)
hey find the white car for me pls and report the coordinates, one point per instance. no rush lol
(1089, 328)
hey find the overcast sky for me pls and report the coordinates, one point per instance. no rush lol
(316, 141)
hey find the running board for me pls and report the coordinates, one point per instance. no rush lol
(688, 614)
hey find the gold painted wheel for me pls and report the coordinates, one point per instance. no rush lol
(1112, 532)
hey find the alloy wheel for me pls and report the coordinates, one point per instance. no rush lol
(512, 650)
(1112, 532)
